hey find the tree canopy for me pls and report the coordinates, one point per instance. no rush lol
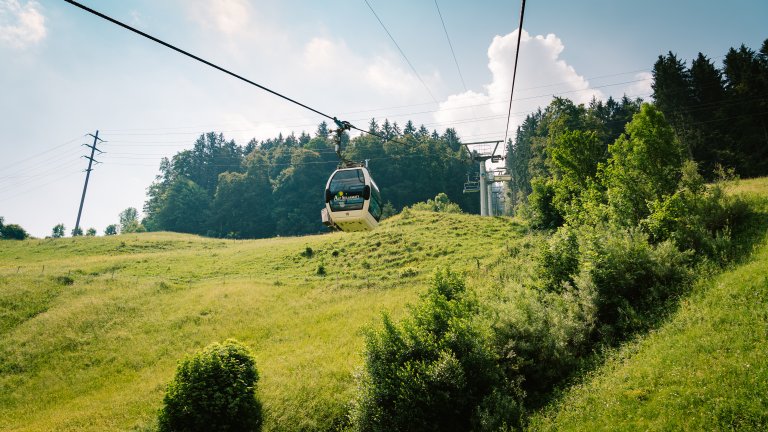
(275, 187)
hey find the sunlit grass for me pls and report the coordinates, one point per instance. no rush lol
(92, 328)
(706, 368)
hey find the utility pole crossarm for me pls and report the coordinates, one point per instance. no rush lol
(91, 161)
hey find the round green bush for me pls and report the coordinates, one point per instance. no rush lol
(213, 390)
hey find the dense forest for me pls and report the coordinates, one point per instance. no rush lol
(275, 187)
(720, 116)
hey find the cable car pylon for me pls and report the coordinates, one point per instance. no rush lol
(487, 178)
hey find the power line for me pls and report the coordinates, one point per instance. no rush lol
(181, 51)
(493, 102)
(451, 45)
(36, 155)
(401, 52)
(390, 108)
(226, 71)
(514, 72)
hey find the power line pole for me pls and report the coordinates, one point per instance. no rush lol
(91, 160)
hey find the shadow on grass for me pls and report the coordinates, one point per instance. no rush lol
(749, 234)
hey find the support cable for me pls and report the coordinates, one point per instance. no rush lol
(188, 54)
(514, 72)
(228, 72)
(451, 46)
(401, 51)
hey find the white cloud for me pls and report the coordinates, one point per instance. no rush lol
(641, 88)
(21, 25)
(332, 62)
(541, 74)
(229, 17)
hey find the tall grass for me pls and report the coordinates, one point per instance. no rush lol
(97, 354)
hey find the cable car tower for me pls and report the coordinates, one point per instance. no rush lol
(481, 152)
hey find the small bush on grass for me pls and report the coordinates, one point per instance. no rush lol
(435, 371)
(213, 390)
(696, 217)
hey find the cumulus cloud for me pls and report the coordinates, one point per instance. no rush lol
(541, 74)
(21, 25)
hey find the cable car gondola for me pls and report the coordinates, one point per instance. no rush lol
(352, 200)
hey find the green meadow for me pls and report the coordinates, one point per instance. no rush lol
(92, 328)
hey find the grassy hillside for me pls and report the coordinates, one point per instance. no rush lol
(706, 368)
(91, 328)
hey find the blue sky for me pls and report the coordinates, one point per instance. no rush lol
(66, 73)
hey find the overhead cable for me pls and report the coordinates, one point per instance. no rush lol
(514, 71)
(450, 45)
(188, 54)
(401, 52)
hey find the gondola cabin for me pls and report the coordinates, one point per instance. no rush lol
(352, 200)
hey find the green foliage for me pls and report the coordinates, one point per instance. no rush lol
(58, 231)
(645, 166)
(243, 202)
(185, 209)
(129, 221)
(91, 232)
(632, 279)
(77, 232)
(213, 390)
(441, 204)
(574, 156)
(719, 114)
(388, 211)
(13, 232)
(696, 217)
(110, 230)
(543, 337)
(702, 369)
(558, 260)
(540, 209)
(435, 370)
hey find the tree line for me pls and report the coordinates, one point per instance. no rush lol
(275, 187)
(720, 116)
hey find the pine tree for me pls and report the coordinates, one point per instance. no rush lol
(708, 145)
(672, 94)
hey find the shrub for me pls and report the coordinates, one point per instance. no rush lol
(542, 336)
(110, 230)
(441, 204)
(213, 390)
(696, 217)
(558, 260)
(436, 370)
(541, 210)
(630, 277)
(13, 232)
